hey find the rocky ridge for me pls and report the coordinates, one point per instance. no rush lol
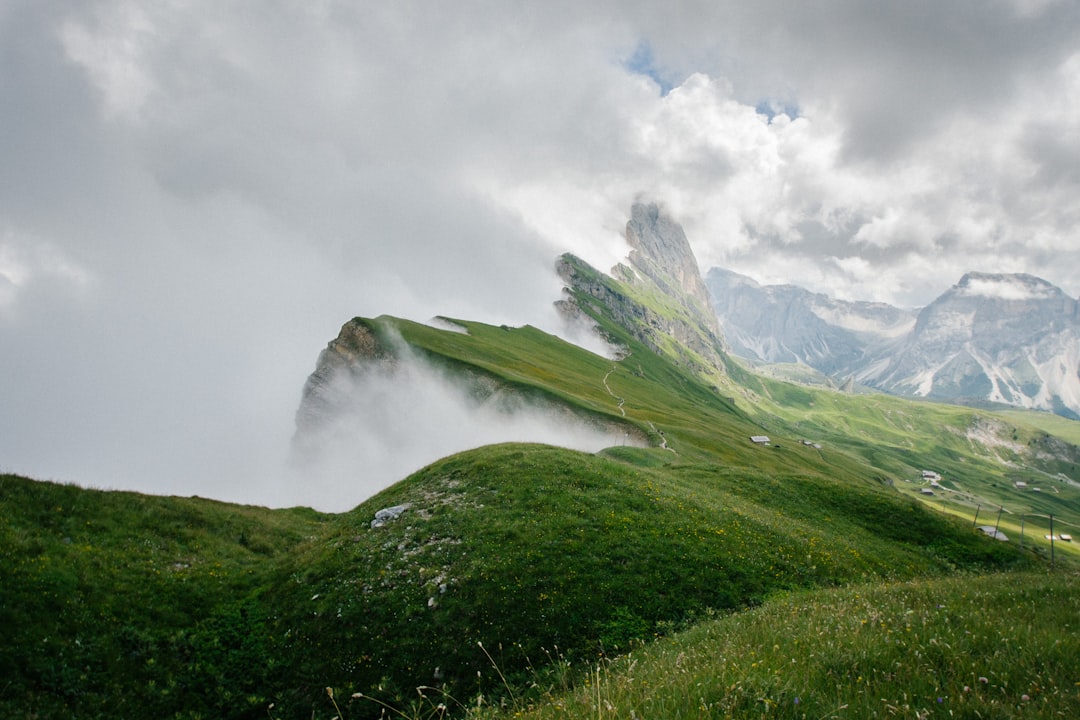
(659, 296)
(1011, 339)
(1008, 339)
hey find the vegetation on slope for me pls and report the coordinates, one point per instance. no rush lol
(525, 548)
(522, 548)
(1027, 465)
(992, 646)
(118, 604)
(164, 606)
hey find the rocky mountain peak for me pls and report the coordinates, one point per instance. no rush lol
(996, 310)
(660, 251)
(658, 297)
(1001, 338)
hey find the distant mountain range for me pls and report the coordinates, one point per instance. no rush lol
(990, 340)
(1012, 339)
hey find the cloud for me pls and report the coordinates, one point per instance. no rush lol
(1004, 288)
(195, 196)
(389, 422)
(31, 265)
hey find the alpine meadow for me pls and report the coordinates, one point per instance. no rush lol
(744, 546)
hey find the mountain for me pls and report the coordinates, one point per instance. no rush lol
(788, 324)
(1009, 339)
(1012, 339)
(659, 298)
(661, 252)
(511, 576)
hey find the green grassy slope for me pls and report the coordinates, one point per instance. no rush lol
(117, 604)
(525, 548)
(992, 646)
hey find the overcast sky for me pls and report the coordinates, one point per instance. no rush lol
(195, 195)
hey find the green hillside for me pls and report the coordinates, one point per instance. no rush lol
(988, 646)
(508, 561)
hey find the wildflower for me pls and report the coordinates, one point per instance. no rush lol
(983, 680)
(1025, 697)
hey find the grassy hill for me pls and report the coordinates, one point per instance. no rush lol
(987, 646)
(511, 562)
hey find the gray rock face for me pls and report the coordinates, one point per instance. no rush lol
(356, 350)
(1012, 339)
(661, 252)
(788, 324)
(658, 297)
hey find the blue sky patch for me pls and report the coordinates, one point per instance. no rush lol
(642, 62)
(772, 108)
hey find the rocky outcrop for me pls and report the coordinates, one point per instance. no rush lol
(661, 252)
(387, 514)
(1003, 338)
(360, 347)
(991, 338)
(659, 297)
(371, 375)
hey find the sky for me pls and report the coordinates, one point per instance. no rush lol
(196, 195)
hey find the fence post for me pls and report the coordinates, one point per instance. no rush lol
(976, 520)
(998, 523)
(1051, 541)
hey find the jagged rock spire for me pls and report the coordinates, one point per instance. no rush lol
(660, 251)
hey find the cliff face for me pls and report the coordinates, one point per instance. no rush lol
(789, 324)
(659, 297)
(1012, 339)
(356, 350)
(386, 397)
(661, 252)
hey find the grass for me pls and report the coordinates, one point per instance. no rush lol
(117, 603)
(989, 646)
(513, 561)
(522, 548)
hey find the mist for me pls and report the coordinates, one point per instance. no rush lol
(194, 196)
(386, 422)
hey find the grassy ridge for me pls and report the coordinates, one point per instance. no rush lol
(523, 548)
(863, 435)
(532, 547)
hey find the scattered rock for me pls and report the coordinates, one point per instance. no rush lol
(387, 514)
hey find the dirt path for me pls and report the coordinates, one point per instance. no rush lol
(622, 400)
(622, 410)
(663, 439)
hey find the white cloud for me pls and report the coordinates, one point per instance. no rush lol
(112, 49)
(196, 195)
(391, 423)
(1004, 288)
(27, 262)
